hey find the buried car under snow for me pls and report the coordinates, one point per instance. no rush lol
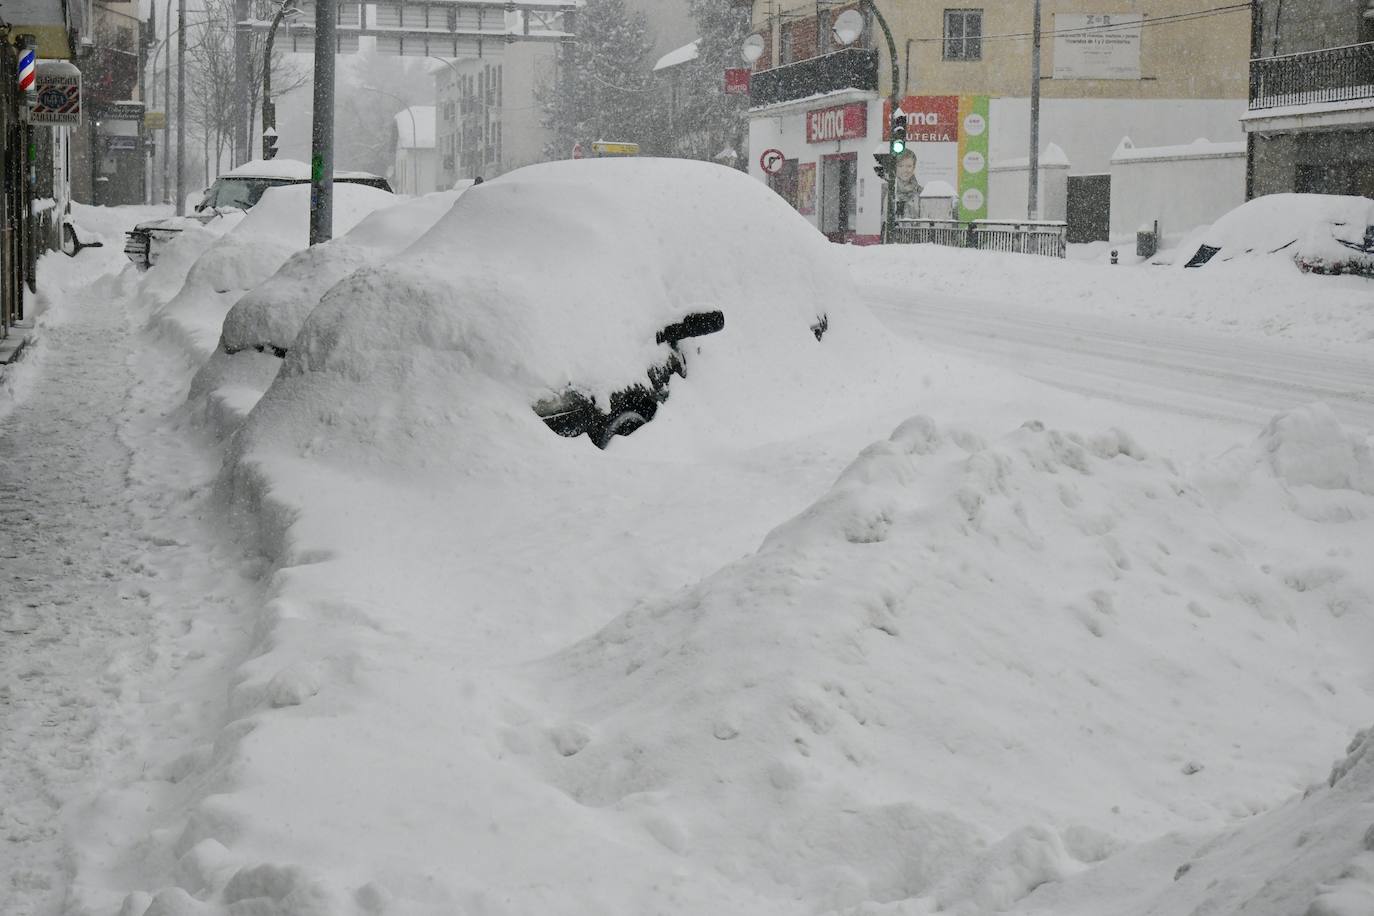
(609, 295)
(237, 189)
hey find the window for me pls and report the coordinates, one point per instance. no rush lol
(963, 34)
(785, 50)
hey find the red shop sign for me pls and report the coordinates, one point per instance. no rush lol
(843, 122)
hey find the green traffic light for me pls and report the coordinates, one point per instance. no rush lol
(898, 147)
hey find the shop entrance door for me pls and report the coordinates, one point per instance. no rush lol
(839, 195)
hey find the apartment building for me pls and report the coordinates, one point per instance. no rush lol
(1310, 123)
(1161, 72)
(489, 119)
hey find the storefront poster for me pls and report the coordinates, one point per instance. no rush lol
(806, 188)
(949, 135)
(973, 157)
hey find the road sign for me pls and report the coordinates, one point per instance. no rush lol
(603, 148)
(771, 161)
(155, 120)
(577, 151)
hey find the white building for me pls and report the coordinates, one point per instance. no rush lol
(415, 170)
(490, 120)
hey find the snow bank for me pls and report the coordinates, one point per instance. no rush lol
(1319, 232)
(265, 321)
(863, 688)
(561, 275)
(248, 252)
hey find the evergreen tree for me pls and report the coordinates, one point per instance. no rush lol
(607, 92)
(711, 121)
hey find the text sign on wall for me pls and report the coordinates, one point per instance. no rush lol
(843, 122)
(1097, 46)
(59, 97)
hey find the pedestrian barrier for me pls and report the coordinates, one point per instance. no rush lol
(1042, 237)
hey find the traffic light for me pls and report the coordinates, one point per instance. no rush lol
(898, 142)
(881, 163)
(269, 143)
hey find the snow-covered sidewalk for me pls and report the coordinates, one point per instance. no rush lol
(119, 599)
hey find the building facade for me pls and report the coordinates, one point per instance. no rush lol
(489, 119)
(415, 167)
(1310, 124)
(1161, 72)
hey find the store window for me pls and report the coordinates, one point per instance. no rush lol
(963, 35)
(784, 181)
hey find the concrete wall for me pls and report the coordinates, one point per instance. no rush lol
(1310, 25)
(1088, 130)
(1009, 190)
(1183, 187)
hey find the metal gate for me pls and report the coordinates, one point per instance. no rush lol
(1089, 211)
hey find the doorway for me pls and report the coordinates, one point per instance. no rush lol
(839, 195)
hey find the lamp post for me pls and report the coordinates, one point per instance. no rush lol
(1033, 195)
(269, 110)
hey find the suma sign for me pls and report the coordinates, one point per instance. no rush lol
(843, 122)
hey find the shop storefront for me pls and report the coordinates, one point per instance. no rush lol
(818, 154)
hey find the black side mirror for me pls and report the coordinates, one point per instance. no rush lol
(72, 245)
(696, 324)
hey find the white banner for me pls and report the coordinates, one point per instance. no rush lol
(1097, 46)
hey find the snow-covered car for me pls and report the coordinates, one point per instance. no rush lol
(237, 189)
(682, 301)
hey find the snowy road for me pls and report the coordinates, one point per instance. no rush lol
(114, 599)
(1147, 364)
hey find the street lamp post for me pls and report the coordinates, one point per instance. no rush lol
(269, 110)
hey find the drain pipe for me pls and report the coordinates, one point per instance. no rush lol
(906, 83)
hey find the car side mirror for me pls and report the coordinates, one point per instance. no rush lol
(72, 244)
(696, 324)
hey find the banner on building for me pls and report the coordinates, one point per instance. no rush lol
(839, 122)
(1097, 46)
(949, 136)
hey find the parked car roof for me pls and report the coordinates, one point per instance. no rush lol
(285, 170)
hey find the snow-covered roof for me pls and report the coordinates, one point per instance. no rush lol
(682, 55)
(415, 127)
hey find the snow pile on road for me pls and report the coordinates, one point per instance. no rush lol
(915, 709)
(970, 672)
(246, 254)
(263, 324)
(1325, 233)
(1244, 300)
(561, 275)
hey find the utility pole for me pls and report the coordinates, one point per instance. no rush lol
(1033, 197)
(167, 102)
(322, 127)
(242, 33)
(181, 108)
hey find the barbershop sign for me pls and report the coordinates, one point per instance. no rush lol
(843, 122)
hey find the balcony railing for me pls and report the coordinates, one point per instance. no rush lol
(1313, 77)
(852, 68)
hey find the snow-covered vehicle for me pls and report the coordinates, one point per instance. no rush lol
(237, 189)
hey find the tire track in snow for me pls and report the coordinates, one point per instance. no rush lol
(120, 610)
(1140, 362)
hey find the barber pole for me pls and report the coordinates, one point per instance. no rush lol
(28, 70)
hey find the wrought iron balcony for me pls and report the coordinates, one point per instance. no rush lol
(852, 68)
(1313, 77)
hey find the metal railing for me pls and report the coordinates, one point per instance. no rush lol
(1330, 75)
(1047, 238)
(852, 68)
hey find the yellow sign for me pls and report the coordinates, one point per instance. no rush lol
(615, 149)
(155, 120)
